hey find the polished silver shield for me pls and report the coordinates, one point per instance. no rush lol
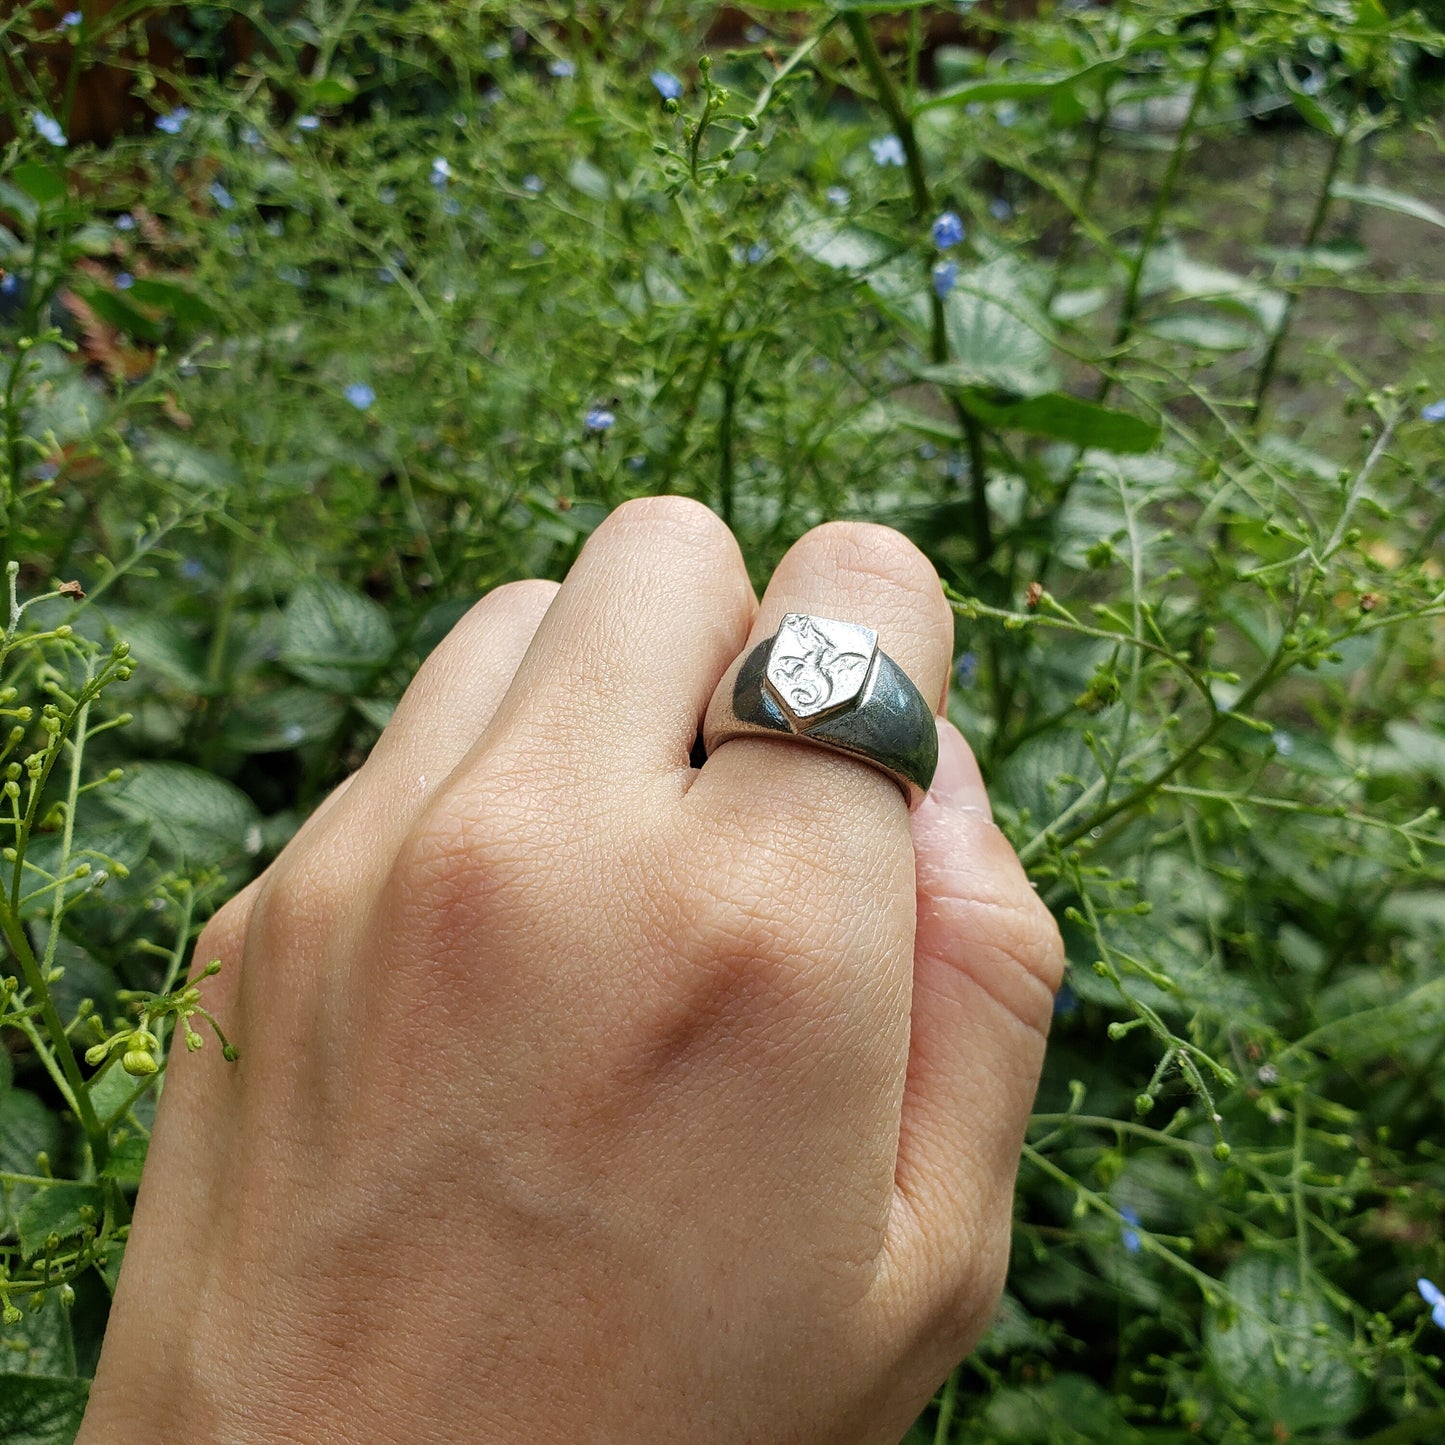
(818, 666)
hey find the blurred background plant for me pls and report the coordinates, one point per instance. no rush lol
(318, 320)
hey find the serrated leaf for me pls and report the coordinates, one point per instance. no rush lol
(1279, 1348)
(1071, 419)
(41, 183)
(161, 646)
(334, 638)
(41, 1409)
(1376, 1033)
(56, 1209)
(285, 718)
(841, 247)
(195, 815)
(1397, 201)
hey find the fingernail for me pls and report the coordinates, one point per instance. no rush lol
(958, 782)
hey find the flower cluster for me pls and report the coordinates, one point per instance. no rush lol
(1433, 1296)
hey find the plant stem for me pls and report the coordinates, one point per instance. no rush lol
(725, 439)
(1312, 232)
(889, 99)
(1097, 126)
(1162, 198)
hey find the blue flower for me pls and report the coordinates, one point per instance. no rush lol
(947, 230)
(70, 20)
(192, 570)
(48, 128)
(667, 85)
(1000, 209)
(598, 419)
(174, 122)
(966, 669)
(1283, 743)
(1435, 411)
(562, 69)
(756, 253)
(387, 194)
(1130, 1235)
(535, 184)
(945, 277)
(250, 136)
(9, 284)
(124, 222)
(441, 172)
(887, 151)
(124, 280)
(220, 195)
(1435, 1298)
(360, 395)
(1066, 1003)
(838, 196)
(308, 122)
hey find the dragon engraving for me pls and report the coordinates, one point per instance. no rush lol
(818, 671)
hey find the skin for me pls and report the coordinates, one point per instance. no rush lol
(585, 1095)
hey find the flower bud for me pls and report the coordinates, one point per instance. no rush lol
(139, 1064)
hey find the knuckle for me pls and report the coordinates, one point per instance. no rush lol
(681, 519)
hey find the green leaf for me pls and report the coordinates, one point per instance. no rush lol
(1071, 419)
(176, 461)
(41, 1409)
(195, 816)
(127, 1159)
(56, 1209)
(998, 340)
(116, 309)
(1199, 329)
(161, 647)
(39, 182)
(41, 1344)
(1376, 1033)
(1397, 201)
(174, 300)
(330, 90)
(593, 183)
(286, 718)
(1279, 1348)
(334, 638)
(841, 247)
(977, 92)
(27, 1128)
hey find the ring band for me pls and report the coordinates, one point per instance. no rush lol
(828, 683)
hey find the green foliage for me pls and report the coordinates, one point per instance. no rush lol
(397, 310)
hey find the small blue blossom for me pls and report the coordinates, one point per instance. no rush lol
(1006, 112)
(293, 733)
(755, 35)
(174, 122)
(1433, 1296)
(1435, 411)
(636, 463)
(221, 196)
(534, 184)
(360, 395)
(387, 195)
(250, 136)
(536, 249)
(48, 128)
(124, 280)
(1283, 743)
(124, 222)
(308, 122)
(1000, 209)
(386, 275)
(562, 69)
(291, 275)
(887, 151)
(46, 471)
(9, 284)
(441, 172)
(667, 85)
(756, 253)
(1130, 1236)
(838, 196)
(947, 230)
(598, 419)
(927, 452)
(1066, 1003)
(70, 20)
(945, 278)
(192, 570)
(966, 669)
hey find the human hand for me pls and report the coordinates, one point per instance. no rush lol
(584, 1095)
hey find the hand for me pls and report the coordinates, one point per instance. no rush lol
(585, 1095)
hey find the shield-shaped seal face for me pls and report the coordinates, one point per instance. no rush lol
(817, 665)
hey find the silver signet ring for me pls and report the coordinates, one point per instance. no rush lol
(828, 683)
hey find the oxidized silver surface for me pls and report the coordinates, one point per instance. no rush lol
(827, 683)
